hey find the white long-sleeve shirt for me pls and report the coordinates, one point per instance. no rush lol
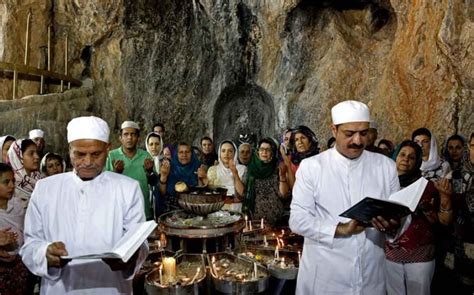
(326, 185)
(88, 217)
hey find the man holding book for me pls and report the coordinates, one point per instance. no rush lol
(84, 211)
(341, 255)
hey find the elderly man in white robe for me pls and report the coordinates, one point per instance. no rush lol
(81, 212)
(340, 255)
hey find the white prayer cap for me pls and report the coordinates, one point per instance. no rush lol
(350, 111)
(88, 128)
(130, 124)
(373, 125)
(35, 133)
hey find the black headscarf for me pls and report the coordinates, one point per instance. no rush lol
(297, 157)
(411, 176)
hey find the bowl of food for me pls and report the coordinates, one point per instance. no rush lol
(202, 200)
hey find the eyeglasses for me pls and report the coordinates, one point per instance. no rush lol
(265, 150)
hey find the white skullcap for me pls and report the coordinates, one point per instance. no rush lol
(35, 133)
(350, 111)
(130, 124)
(88, 128)
(373, 125)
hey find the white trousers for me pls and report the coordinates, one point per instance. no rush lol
(409, 278)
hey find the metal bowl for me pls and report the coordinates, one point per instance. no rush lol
(202, 200)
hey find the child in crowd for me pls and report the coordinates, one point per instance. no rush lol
(13, 273)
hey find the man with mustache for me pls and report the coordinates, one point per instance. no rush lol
(132, 161)
(341, 255)
(81, 212)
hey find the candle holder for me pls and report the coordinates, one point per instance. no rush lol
(189, 279)
(285, 266)
(232, 275)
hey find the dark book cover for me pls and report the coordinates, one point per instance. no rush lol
(369, 208)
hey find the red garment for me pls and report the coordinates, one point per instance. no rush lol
(417, 243)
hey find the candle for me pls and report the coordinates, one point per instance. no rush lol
(195, 276)
(277, 254)
(255, 270)
(265, 243)
(169, 267)
(299, 257)
(261, 223)
(159, 245)
(282, 233)
(213, 266)
(282, 263)
(161, 274)
(250, 225)
(246, 223)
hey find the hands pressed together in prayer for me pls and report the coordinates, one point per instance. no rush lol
(118, 165)
(7, 237)
(148, 166)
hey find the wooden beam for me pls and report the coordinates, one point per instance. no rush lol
(10, 67)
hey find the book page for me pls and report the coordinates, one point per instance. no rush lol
(410, 195)
(126, 246)
(133, 238)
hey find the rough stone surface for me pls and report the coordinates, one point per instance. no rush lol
(50, 112)
(175, 61)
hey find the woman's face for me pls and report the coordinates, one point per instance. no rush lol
(406, 160)
(286, 138)
(167, 153)
(53, 166)
(302, 143)
(7, 185)
(227, 153)
(265, 152)
(31, 160)
(154, 145)
(184, 154)
(424, 142)
(455, 149)
(6, 146)
(244, 154)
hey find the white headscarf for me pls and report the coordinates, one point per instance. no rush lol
(433, 161)
(156, 159)
(14, 217)
(224, 174)
(2, 142)
(43, 163)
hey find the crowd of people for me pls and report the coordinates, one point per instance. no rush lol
(48, 210)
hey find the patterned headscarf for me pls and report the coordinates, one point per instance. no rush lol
(15, 160)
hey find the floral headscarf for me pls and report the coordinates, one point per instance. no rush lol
(15, 160)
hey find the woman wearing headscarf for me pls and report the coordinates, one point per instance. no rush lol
(5, 143)
(184, 167)
(24, 159)
(154, 146)
(245, 153)
(411, 255)
(228, 173)
(432, 167)
(52, 164)
(304, 144)
(266, 184)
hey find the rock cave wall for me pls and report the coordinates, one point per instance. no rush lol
(174, 61)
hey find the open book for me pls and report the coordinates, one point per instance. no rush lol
(126, 246)
(398, 205)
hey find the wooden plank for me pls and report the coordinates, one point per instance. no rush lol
(6, 66)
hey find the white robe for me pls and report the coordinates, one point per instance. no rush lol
(326, 185)
(87, 216)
